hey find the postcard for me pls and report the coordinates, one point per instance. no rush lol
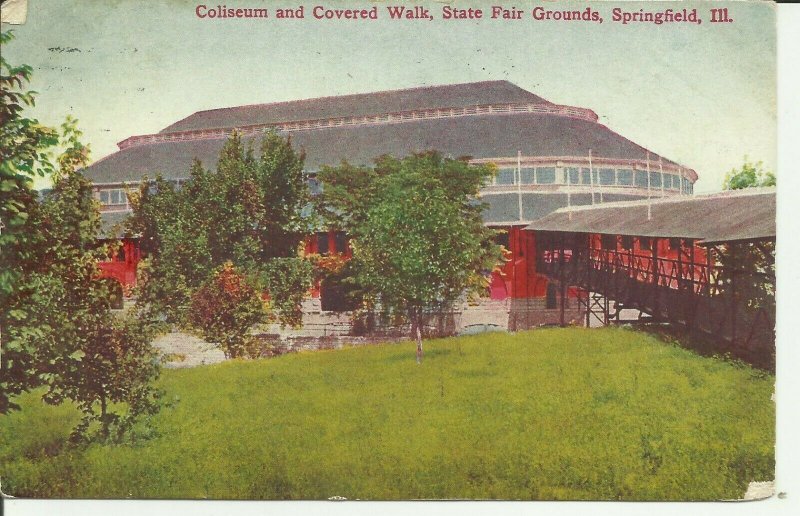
(376, 250)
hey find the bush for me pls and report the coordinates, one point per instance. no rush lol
(287, 281)
(224, 309)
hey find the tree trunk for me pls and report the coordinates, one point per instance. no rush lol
(103, 420)
(418, 334)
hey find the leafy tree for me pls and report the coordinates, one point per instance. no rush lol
(750, 175)
(24, 152)
(249, 212)
(25, 147)
(747, 272)
(287, 280)
(58, 331)
(174, 242)
(60, 312)
(225, 307)
(418, 237)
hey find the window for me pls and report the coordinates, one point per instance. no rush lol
(627, 242)
(608, 241)
(340, 240)
(644, 243)
(572, 175)
(505, 176)
(625, 177)
(585, 176)
(322, 243)
(606, 176)
(655, 180)
(528, 176)
(675, 244)
(641, 179)
(111, 197)
(667, 181)
(546, 175)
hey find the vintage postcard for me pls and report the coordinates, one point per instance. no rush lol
(377, 250)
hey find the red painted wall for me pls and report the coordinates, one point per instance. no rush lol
(518, 278)
(122, 266)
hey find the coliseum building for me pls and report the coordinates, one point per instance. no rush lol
(548, 155)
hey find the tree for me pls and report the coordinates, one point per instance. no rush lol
(418, 237)
(58, 331)
(24, 152)
(750, 175)
(747, 272)
(225, 307)
(60, 312)
(250, 213)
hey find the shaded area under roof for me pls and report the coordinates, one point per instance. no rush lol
(429, 97)
(479, 136)
(503, 208)
(734, 215)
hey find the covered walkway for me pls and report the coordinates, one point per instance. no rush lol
(704, 262)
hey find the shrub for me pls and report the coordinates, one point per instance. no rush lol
(224, 309)
(287, 281)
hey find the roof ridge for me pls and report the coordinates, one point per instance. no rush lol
(370, 93)
(353, 95)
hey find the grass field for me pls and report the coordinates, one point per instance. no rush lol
(546, 414)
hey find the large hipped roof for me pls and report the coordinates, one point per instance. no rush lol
(733, 215)
(362, 104)
(480, 136)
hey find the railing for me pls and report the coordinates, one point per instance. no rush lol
(384, 118)
(725, 291)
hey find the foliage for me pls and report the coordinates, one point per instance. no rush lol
(24, 152)
(418, 236)
(174, 243)
(746, 278)
(76, 347)
(113, 368)
(224, 308)
(348, 194)
(249, 212)
(58, 330)
(750, 175)
(287, 281)
(600, 414)
(749, 266)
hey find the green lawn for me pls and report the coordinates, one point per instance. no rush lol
(546, 414)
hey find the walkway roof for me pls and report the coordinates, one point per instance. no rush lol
(726, 216)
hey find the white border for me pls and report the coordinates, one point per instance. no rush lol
(788, 450)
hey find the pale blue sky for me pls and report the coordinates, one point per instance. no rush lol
(703, 95)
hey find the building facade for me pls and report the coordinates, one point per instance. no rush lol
(548, 156)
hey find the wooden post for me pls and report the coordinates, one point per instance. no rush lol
(654, 252)
(562, 321)
(588, 277)
(732, 247)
